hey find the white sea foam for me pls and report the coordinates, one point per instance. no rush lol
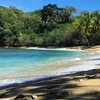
(84, 66)
(98, 51)
(59, 49)
(78, 59)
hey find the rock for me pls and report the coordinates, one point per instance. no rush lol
(19, 97)
(25, 97)
(63, 93)
(34, 96)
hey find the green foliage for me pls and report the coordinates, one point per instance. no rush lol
(27, 39)
(38, 41)
(50, 26)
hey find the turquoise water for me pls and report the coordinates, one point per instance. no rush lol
(21, 64)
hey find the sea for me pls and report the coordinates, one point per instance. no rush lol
(20, 65)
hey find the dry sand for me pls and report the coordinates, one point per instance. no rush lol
(79, 86)
(94, 48)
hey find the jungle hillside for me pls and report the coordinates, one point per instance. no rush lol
(49, 26)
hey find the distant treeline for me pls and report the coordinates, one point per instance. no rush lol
(50, 26)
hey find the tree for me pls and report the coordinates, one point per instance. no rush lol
(48, 13)
(50, 26)
(27, 39)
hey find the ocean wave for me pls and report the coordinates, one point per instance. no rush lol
(85, 67)
(77, 59)
(58, 49)
(81, 65)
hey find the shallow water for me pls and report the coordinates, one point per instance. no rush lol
(17, 65)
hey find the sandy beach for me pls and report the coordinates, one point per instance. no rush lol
(71, 87)
(79, 86)
(49, 50)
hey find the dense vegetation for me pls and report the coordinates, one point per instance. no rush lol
(50, 26)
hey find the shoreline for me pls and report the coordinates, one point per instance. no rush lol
(10, 82)
(9, 92)
(47, 48)
(76, 48)
(52, 83)
(65, 71)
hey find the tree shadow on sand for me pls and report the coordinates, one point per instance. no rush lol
(52, 88)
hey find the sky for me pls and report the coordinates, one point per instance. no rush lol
(32, 5)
